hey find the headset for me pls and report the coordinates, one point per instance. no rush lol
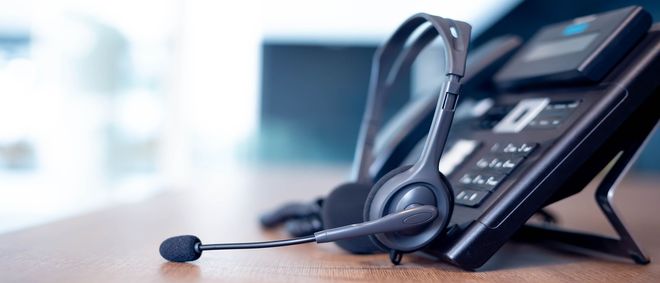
(398, 142)
(407, 208)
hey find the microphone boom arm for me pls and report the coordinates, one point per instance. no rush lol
(256, 245)
(400, 221)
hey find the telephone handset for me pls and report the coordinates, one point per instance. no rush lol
(576, 95)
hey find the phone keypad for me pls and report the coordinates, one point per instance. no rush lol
(489, 171)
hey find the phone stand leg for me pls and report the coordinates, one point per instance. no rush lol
(625, 246)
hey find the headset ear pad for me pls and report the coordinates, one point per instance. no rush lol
(372, 192)
(344, 206)
(380, 198)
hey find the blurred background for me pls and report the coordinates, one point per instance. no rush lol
(103, 102)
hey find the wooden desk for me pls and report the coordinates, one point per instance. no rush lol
(121, 243)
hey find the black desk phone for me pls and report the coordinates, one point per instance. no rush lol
(573, 97)
(537, 121)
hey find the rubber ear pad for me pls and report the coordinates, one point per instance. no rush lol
(372, 193)
(343, 207)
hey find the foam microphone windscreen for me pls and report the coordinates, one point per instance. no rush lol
(180, 248)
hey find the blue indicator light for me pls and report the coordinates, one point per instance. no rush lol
(575, 29)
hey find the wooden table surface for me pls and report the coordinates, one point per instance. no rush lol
(120, 244)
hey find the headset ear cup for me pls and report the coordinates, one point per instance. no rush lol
(343, 206)
(372, 194)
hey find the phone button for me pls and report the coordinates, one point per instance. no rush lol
(481, 180)
(513, 148)
(500, 163)
(469, 197)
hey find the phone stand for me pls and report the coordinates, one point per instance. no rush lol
(628, 147)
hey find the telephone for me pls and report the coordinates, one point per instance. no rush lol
(575, 96)
(557, 110)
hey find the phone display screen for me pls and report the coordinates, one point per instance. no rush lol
(559, 47)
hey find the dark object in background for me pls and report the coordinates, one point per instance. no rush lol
(312, 100)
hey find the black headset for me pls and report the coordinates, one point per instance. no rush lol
(389, 62)
(408, 207)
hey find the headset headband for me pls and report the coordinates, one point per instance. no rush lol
(389, 60)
